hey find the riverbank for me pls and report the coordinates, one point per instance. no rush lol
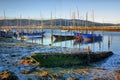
(85, 73)
(12, 52)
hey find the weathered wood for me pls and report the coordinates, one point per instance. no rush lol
(69, 59)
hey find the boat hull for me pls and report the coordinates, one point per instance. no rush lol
(64, 36)
(32, 35)
(87, 36)
(6, 35)
(59, 38)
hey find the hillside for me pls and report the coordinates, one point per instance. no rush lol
(54, 22)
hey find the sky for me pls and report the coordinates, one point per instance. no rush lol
(105, 11)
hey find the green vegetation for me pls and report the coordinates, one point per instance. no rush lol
(29, 79)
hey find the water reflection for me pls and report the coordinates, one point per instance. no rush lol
(77, 42)
(110, 41)
(60, 39)
(69, 42)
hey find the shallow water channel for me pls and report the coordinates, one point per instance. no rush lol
(11, 53)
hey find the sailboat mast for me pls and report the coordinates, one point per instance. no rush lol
(73, 16)
(4, 19)
(78, 16)
(20, 24)
(51, 24)
(29, 26)
(42, 23)
(93, 18)
(86, 24)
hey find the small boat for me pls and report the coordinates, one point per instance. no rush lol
(64, 30)
(30, 35)
(59, 38)
(86, 36)
(63, 36)
(6, 34)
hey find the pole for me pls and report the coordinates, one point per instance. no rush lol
(88, 54)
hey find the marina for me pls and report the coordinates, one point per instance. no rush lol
(59, 40)
(57, 47)
(91, 28)
(42, 45)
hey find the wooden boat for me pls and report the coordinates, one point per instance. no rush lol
(63, 59)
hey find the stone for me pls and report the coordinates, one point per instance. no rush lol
(7, 75)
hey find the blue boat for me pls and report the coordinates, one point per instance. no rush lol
(86, 36)
(30, 35)
(6, 34)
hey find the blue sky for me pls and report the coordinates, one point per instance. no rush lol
(104, 10)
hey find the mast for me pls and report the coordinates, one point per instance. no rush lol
(54, 22)
(28, 30)
(71, 24)
(20, 27)
(51, 26)
(42, 25)
(93, 18)
(93, 31)
(4, 19)
(65, 31)
(73, 16)
(78, 22)
(78, 17)
(51, 22)
(86, 22)
(20, 24)
(17, 24)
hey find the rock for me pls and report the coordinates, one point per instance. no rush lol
(102, 78)
(7, 75)
(85, 72)
(74, 78)
(118, 71)
(15, 55)
(27, 69)
(27, 65)
(4, 60)
(45, 78)
(27, 61)
(50, 44)
(44, 73)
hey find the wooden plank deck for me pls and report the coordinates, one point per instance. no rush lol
(100, 28)
(107, 28)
